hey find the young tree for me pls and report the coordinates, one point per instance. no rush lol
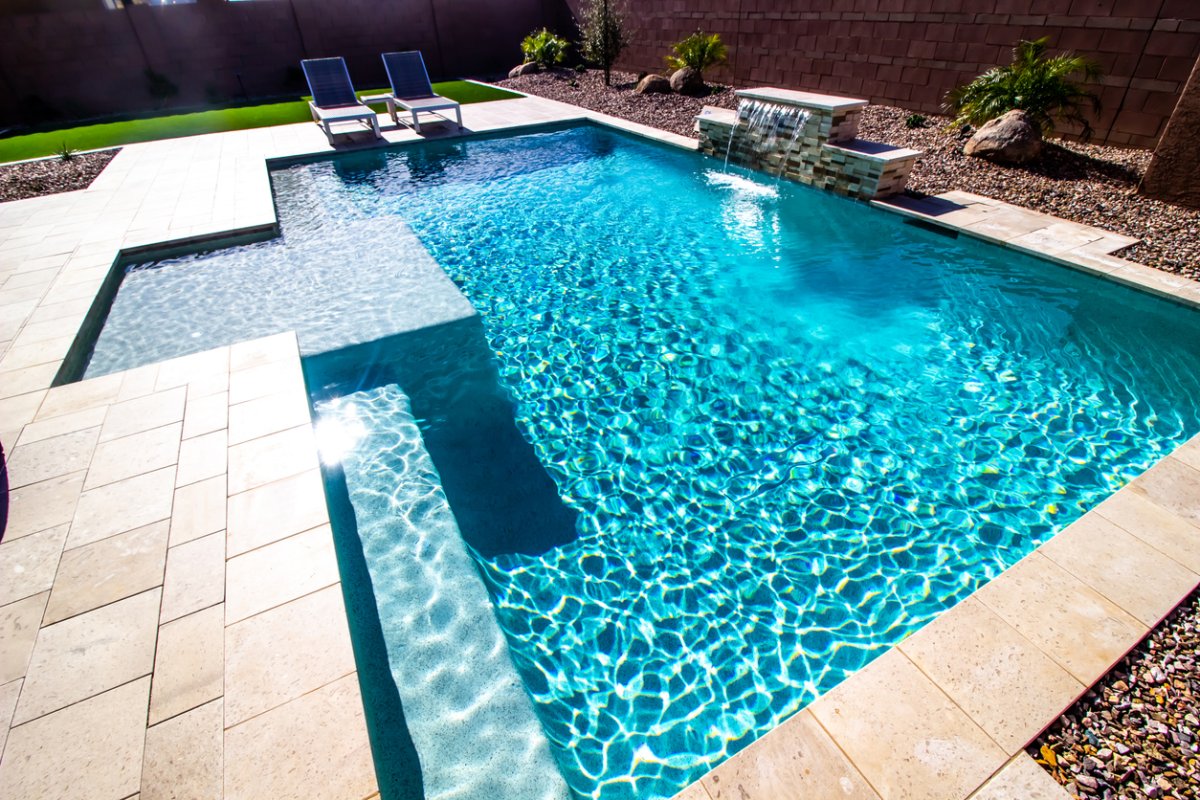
(602, 34)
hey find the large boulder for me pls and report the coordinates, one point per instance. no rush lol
(687, 81)
(1008, 139)
(653, 84)
(528, 68)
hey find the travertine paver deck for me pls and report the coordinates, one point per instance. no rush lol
(171, 621)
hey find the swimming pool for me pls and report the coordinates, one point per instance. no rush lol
(715, 441)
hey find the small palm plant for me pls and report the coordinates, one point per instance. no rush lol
(544, 48)
(698, 51)
(1042, 86)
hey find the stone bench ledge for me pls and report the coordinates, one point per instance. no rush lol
(875, 151)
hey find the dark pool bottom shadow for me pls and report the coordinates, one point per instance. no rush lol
(502, 498)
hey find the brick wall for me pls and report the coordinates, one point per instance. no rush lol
(911, 52)
(76, 63)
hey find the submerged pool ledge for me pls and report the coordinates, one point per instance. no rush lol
(230, 551)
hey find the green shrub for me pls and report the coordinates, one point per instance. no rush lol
(1042, 86)
(602, 34)
(698, 51)
(66, 152)
(915, 121)
(544, 48)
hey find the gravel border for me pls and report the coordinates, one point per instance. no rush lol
(1092, 184)
(1136, 733)
(51, 175)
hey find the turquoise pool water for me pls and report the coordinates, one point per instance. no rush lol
(715, 441)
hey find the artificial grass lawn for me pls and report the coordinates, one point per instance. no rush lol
(111, 134)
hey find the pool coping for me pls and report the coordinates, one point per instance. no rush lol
(1156, 516)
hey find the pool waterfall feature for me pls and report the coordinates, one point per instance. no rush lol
(808, 138)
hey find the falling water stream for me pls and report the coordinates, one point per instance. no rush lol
(766, 119)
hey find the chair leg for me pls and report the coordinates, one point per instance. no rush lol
(328, 132)
(375, 127)
(416, 122)
(458, 113)
(391, 106)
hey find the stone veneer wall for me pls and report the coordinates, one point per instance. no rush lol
(911, 52)
(824, 154)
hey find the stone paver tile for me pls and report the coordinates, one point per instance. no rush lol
(9, 693)
(270, 458)
(1058, 237)
(189, 666)
(195, 576)
(20, 410)
(694, 791)
(1070, 621)
(1123, 568)
(89, 751)
(90, 654)
(73, 397)
(22, 381)
(274, 378)
(38, 506)
(184, 756)
(797, 759)
(276, 511)
(19, 623)
(136, 454)
(50, 458)
(260, 352)
(314, 746)
(281, 654)
(50, 351)
(199, 510)
(143, 414)
(268, 414)
(202, 457)
(205, 414)
(28, 564)
(110, 569)
(136, 383)
(905, 735)
(1173, 485)
(279, 572)
(1021, 779)
(65, 423)
(122, 506)
(190, 368)
(986, 667)
(1154, 525)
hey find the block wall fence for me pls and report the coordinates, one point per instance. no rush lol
(911, 52)
(75, 59)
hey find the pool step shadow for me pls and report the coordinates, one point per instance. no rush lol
(502, 498)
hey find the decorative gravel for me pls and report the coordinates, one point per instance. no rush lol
(1091, 184)
(670, 112)
(51, 175)
(1135, 734)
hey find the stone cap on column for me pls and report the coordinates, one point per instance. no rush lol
(793, 97)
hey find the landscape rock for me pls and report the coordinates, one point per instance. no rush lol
(653, 84)
(1008, 139)
(528, 68)
(687, 81)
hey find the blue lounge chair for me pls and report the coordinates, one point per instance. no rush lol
(333, 97)
(411, 89)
